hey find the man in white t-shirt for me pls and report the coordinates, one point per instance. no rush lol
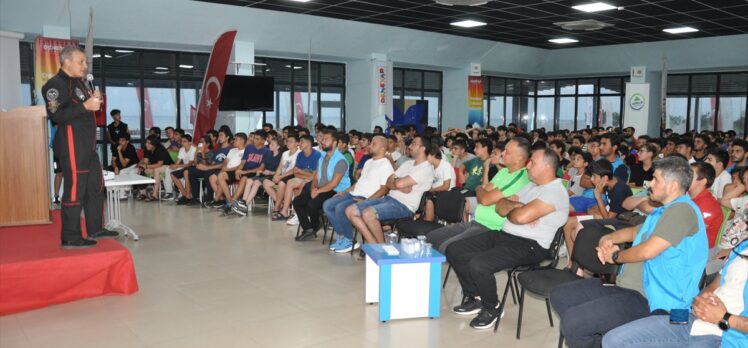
(444, 179)
(719, 159)
(406, 186)
(371, 185)
(179, 166)
(227, 175)
(276, 187)
(185, 158)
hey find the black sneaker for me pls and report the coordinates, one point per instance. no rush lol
(182, 201)
(167, 196)
(193, 202)
(226, 210)
(104, 234)
(485, 319)
(78, 243)
(208, 203)
(309, 234)
(470, 307)
(239, 209)
(218, 204)
(57, 200)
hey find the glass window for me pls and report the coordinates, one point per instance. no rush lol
(124, 94)
(510, 112)
(545, 113)
(432, 80)
(119, 62)
(432, 98)
(189, 92)
(497, 86)
(610, 111)
(567, 87)
(704, 84)
(301, 74)
(157, 64)
(677, 113)
(413, 79)
(497, 117)
(731, 114)
(193, 64)
(309, 106)
(527, 113)
(527, 87)
(331, 100)
(610, 86)
(565, 113)
(160, 103)
(587, 86)
(736, 83)
(248, 121)
(512, 87)
(677, 84)
(546, 88)
(585, 112)
(702, 113)
(332, 74)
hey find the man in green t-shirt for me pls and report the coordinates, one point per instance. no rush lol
(507, 182)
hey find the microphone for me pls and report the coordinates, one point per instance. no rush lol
(90, 78)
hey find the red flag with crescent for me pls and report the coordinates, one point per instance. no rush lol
(210, 97)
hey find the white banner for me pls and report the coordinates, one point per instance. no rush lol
(381, 92)
(636, 109)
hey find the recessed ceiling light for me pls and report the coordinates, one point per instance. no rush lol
(468, 24)
(300, 0)
(161, 68)
(124, 51)
(680, 30)
(298, 67)
(96, 56)
(185, 66)
(594, 7)
(107, 56)
(563, 40)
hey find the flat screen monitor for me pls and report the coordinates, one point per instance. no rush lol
(247, 93)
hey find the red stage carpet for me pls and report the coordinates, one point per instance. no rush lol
(35, 272)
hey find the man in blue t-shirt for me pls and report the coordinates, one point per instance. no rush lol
(252, 164)
(205, 170)
(660, 272)
(306, 166)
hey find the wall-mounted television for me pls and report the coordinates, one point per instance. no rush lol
(247, 93)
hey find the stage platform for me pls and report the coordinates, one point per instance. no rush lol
(35, 272)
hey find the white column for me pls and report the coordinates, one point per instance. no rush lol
(10, 70)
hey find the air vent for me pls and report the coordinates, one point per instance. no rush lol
(462, 2)
(585, 24)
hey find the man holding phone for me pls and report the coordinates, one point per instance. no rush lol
(660, 272)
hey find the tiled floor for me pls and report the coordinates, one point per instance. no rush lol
(210, 281)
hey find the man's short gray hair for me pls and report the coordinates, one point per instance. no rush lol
(67, 52)
(675, 168)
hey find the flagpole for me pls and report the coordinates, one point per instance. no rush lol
(309, 79)
(663, 96)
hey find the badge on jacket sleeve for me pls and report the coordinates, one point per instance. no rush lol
(52, 103)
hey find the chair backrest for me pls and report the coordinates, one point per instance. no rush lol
(450, 206)
(556, 243)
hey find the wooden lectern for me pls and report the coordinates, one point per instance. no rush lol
(24, 167)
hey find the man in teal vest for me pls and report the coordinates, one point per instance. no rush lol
(660, 272)
(330, 178)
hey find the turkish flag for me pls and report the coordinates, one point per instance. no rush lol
(210, 97)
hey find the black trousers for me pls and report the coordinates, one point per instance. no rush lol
(588, 310)
(476, 259)
(84, 191)
(195, 185)
(308, 208)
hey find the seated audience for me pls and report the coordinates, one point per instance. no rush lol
(719, 315)
(371, 185)
(641, 172)
(185, 159)
(506, 183)
(407, 185)
(662, 267)
(711, 211)
(227, 175)
(270, 163)
(719, 159)
(125, 157)
(444, 179)
(155, 156)
(534, 215)
(210, 166)
(330, 178)
(304, 169)
(275, 187)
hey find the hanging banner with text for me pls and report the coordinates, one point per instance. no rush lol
(210, 96)
(636, 110)
(381, 92)
(475, 100)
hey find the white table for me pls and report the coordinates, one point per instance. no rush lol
(114, 189)
(406, 286)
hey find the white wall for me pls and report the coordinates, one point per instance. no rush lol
(193, 25)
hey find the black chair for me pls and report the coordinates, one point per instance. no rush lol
(511, 281)
(541, 281)
(448, 208)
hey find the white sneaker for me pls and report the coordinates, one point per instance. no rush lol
(293, 221)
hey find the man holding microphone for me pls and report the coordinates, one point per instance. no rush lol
(71, 105)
